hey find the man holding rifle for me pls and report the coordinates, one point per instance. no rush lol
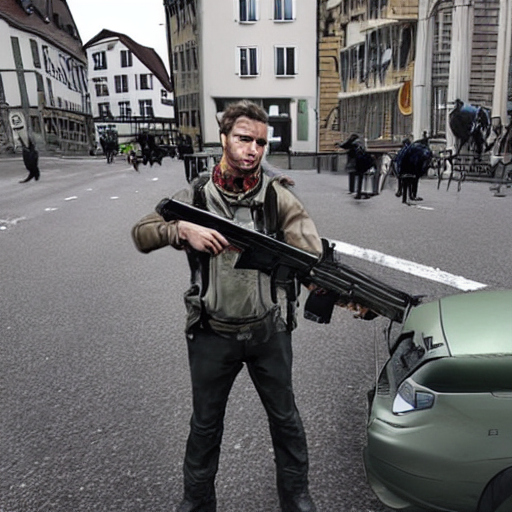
(238, 316)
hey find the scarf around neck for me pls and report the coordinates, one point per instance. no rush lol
(233, 182)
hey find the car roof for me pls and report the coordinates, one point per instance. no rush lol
(478, 323)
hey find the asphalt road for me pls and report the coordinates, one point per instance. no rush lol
(95, 393)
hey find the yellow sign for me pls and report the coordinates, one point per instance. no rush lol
(405, 98)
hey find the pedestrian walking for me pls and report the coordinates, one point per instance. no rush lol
(411, 163)
(359, 162)
(238, 317)
(31, 160)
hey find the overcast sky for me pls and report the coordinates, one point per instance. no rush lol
(142, 20)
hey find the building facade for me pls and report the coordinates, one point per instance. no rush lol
(43, 78)
(262, 50)
(182, 41)
(398, 66)
(469, 58)
(130, 88)
(367, 55)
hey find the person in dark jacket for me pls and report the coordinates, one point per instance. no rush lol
(412, 163)
(30, 159)
(359, 161)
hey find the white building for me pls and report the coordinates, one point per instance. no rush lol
(130, 87)
(263, 50)
(43, 78)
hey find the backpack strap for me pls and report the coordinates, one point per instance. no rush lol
(285, 281)
(271, 214)
(198, 193)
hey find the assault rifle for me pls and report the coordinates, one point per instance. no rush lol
(337, 282)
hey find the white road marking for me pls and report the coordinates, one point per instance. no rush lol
(71, 198)
(422, 207)
(410, 267)
(12, 222)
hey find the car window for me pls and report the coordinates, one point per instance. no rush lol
(477, 374)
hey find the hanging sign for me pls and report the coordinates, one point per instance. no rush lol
(405, 98)
(18, 125)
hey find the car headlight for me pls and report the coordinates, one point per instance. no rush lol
(409, 398)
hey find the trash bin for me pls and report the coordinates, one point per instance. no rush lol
(197, 163)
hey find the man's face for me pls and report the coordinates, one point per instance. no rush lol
(245, 145)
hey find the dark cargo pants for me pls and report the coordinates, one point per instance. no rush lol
(214, 364)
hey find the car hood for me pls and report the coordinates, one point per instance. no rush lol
(477, 323)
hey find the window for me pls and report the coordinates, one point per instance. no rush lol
(50, 92)
(39, 83)
(187, 59)
(121, 82)
(247, 10)
(182, 60)
(405, 46)
(2, 91)
(70, 30)
(104, 109)
(100, 60)
(283, 10)
(126, 59)
(194, 57)
(164, 98)
(124, 109)
(101, 85)
(248, 59)
(146, 82)
(36, 124)
(35, 53)
(376, 7)
(285, 63)
(146, 108)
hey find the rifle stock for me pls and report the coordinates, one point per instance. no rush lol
(273, 257)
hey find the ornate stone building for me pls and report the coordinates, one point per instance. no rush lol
(369, 46)
(467, 57)
(390, 69)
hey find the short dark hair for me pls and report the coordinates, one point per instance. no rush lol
(242, 108)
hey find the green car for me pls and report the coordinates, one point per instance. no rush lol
(439, 433)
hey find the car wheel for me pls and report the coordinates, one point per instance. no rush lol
(497, 496)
